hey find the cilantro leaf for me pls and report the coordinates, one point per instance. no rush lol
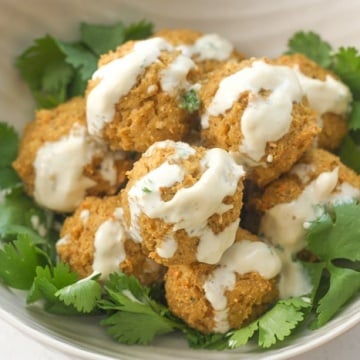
(311, 45)
(130, 328)
(339, 231)
(83, 295)
(130, 307)
(275, 325)
(349, 153)
(80, 58)
(346, 64)
(102, 38)
(56, 71)
(44, 69)
(335, 235)
(18, 262)
(9, 141)
(344, 285)
(47, 284)
(140, 30)
(354, 119)
(190, 101)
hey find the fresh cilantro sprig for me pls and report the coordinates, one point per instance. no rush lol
(56, 70)
(275, 325)
(62, 292)
(18, 262)
(130, 307)
(333, 236)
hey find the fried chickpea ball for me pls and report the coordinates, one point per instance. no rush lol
(326, 94)
(183, 203)
(60, 163)
(94, 240)
(297, 198)
(229, 295)
(207, 50)
(133, 99)
(257, 110)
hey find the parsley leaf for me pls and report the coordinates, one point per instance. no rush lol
(275, 325)
(140, 30)
(311, 45)
(335, 235)
(130, 308)
(18, 262)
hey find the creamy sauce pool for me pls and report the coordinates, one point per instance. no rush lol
(264, 119)
(219, 171)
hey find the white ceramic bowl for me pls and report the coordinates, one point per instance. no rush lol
(257, 28)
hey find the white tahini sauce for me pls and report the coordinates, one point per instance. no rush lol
(191, 207)
(117, 78)
(285, 224)
(241, 258)
(208, 47)
(329, 95)
(173, 78)
(109, 245)
(60, 184)
(264, 119)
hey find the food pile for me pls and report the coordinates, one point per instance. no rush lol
(188, 165)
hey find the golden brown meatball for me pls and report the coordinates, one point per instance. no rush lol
(216, 298)
(290, 203)
(257, 110)
(326, 94)
(94, 240)
(207, 50)
(60, 163)
(133, 99)
(183, 203)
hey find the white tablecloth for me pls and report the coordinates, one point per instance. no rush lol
(16, 346)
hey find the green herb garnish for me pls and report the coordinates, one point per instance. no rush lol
(56, 70)
(190, 101)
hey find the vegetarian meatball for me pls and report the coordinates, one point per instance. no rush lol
(60, 163)
(95, 240)
(292, 201)
(330, 97)
(207, 50)
(257, 110)
(228, 295)
(133, 98)
(183, 203)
